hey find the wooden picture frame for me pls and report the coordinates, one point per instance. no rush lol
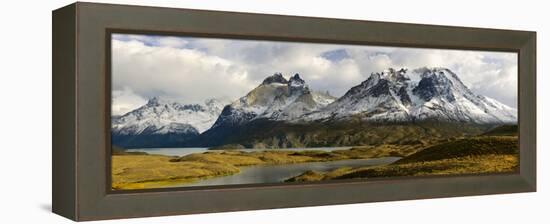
(81, 110)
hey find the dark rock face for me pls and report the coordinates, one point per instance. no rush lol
(403, 96)
(381, 88)
(399, 76)
(193, 107)
(153, 102)
(432, 85)
(232, 117)
(275, 78)
(425, 89)
(178, 135)
(380, 83)
(364, 85)
(296, 80)
(297, 85)
(152, 140)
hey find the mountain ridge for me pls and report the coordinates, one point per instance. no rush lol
(391, 96)
(275, 98)
(164, 122)
(287, 113)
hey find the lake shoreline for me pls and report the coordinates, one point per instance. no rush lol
(475, 155)
(469, 155)
(142, 171)
(278, 173)
(177, 151)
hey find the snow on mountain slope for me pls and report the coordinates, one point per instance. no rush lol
(160, 116)
(392, 96)
(275, 99)
(389, 96)
(322, 98)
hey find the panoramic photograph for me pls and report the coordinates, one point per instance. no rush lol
(195, 111)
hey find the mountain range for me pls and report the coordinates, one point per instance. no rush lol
(387, 107)
(164, 123)
(391, 96)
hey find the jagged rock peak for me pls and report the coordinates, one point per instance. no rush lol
(275, 78)
(296, 81)
(156, 101)
(439, 81)
(440, 73)
(394, 75)
(431, 70)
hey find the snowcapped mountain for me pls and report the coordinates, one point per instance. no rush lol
(276, 98)
(388, 107)
(164, 119)
(391, 96)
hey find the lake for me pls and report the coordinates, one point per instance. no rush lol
(279, 173)
(187, 151)
(268, 173)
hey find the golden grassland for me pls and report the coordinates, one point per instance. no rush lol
(153, 171)
(463, 165)
(467, 155)
(492, 154)
(139, 171)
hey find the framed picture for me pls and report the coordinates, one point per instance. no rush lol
(201, 111)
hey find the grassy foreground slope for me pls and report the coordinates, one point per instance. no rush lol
(504, 130)
(471, 155)
(475, 146)
(462, 165)
(136, 171)
(153, 171)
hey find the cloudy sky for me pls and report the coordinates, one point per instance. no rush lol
(191, 70)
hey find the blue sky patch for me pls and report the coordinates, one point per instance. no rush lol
(336, 55)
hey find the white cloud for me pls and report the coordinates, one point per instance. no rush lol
(179, 74)
(125, 100)
(172, 42)
(193, 69)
